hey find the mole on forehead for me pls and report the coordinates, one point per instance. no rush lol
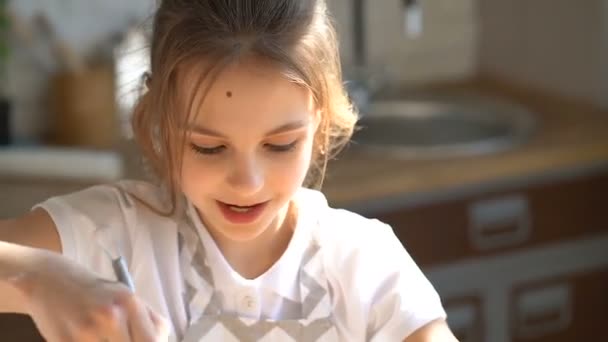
(228, 93)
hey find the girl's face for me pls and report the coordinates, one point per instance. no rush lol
(249, 149)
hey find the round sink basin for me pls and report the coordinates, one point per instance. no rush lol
(439, 128)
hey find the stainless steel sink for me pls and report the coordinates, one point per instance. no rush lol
(442, 127)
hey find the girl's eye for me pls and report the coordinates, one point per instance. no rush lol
(207, 150)
(281, 148)
(218, 149)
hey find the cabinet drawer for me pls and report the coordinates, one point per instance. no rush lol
(465, 317)
(495, 222)
(567, 308)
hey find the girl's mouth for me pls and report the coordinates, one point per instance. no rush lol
(241, 214)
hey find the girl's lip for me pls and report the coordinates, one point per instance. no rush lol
(241, 205)
(241, 217)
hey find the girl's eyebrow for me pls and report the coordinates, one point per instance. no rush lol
(290, 126)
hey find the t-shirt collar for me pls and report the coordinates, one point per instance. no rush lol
(281, 276)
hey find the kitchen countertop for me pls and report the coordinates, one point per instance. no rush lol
(571, 136)
(60, 163)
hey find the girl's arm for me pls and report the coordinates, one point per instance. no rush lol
(66, 301)
(20, 241)
(436, 331)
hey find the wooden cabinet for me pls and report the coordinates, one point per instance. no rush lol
(571, 307)
(18, 328)
(498, 222)
(17, 196)
(466, 317)
(524, 263)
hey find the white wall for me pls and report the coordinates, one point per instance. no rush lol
(560, 46)
(445, 50)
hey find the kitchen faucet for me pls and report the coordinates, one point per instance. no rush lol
(365, 81)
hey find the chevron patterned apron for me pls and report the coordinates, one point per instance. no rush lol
(208, 323)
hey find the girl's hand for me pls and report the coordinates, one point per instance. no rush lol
(69, 303)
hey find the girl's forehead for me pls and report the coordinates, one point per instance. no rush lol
(201, 75)
(251, 85)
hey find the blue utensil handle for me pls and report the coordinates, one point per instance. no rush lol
(122, 273)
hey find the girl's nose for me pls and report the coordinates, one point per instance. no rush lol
(246, 176)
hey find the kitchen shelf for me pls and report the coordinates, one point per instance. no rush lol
(63, 163)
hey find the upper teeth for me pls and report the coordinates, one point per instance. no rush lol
(240, 209)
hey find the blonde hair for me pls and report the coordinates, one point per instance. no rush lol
(297, 35)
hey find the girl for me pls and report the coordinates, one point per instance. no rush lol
(243, 109)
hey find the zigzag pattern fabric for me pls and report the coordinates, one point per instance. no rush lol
(208, 323)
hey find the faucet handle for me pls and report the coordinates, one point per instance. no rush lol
(364, 83)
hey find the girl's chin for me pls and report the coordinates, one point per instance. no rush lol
(241, 232)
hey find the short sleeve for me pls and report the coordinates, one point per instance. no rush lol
(404, 300)
(101, 222)
(91, 224)
(380, 293)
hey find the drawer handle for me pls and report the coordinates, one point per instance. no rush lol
(463, 320)
(499, 222)
(543, 311)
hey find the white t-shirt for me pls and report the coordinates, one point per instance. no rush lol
(377, 291)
